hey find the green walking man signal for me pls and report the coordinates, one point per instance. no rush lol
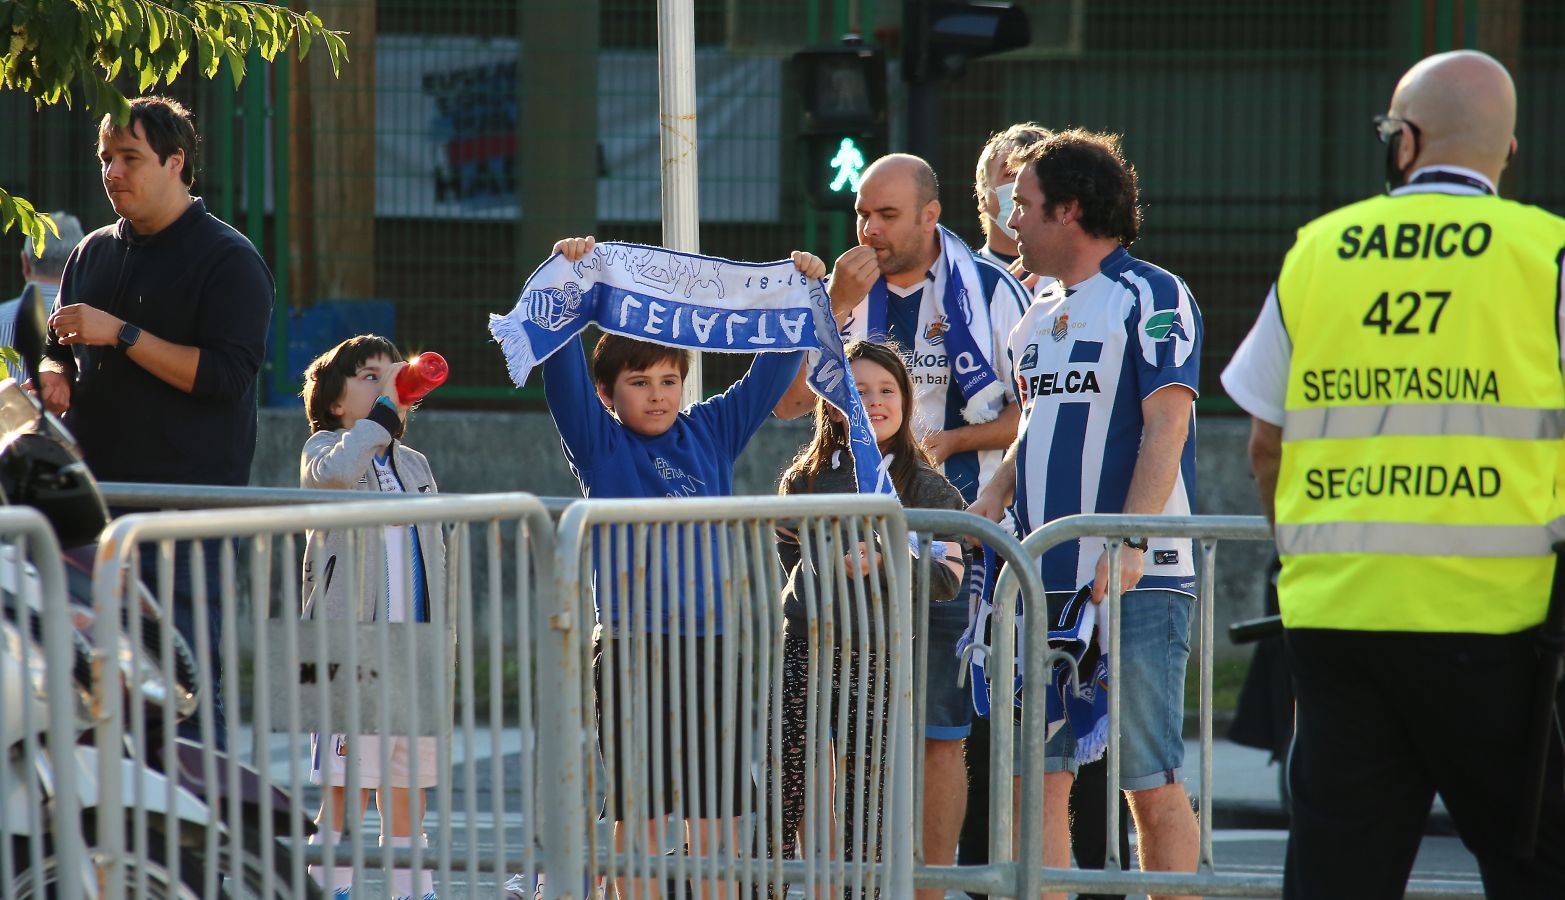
(849, 164)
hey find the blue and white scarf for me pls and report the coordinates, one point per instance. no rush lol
(1081, 630)
(983, 393)
(982, 573)
(695, 302)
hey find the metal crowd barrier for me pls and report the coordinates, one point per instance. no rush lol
(131, 495)
(643, 556)
(992, 877)
(670, 699)
(1032, 879)
(327, 676)
(41, 704)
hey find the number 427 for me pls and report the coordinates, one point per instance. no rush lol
(1408, 304)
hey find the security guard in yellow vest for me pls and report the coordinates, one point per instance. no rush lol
(1405, 383)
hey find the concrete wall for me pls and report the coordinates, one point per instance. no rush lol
(474, 452)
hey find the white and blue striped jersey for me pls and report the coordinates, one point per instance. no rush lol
(48, 293)
(1081, 361)
(916, 322)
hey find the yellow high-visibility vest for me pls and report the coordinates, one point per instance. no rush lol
(1424, 416)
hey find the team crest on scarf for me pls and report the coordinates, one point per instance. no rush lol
(552, 308)
(935, 334)
(1062, 324)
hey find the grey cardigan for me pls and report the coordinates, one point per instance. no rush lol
(930, 490)
(342, 459)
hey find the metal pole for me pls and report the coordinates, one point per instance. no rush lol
(66, 812)
(677, 143)
(283, 382)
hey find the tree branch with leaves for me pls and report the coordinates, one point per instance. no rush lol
(61, 50)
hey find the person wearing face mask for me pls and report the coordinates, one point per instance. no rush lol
(1404, 383)
(995, 188)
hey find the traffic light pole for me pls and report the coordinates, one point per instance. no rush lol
(923, 119)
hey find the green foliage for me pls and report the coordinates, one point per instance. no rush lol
(63, 50)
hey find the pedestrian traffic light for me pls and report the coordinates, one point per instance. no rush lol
(842, 121)
(941, 36)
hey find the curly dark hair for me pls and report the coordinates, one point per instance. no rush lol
(1089, 168)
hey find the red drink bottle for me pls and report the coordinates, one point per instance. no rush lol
(422, 374)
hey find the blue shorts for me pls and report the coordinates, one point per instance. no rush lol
(948, 707)
(1154, 641)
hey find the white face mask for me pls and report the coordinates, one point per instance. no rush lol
(1007, 196)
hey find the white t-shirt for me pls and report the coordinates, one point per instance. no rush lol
(398, 539)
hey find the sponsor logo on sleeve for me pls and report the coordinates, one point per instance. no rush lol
(1161, 326)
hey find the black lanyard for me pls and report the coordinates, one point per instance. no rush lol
(1442, 176)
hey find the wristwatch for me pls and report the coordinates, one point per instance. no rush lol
(129, 335)
(1138, 543)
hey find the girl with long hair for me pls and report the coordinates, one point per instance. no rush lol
(825, 465)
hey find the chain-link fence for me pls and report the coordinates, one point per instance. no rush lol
(415, 193)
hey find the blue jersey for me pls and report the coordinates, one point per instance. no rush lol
(1082, 361)
(694, 458)
(916, 322)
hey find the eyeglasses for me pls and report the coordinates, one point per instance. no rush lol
(1388, 127)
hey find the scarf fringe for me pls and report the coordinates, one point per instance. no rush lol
(985, 405)
(1092, 747)
(518, 351)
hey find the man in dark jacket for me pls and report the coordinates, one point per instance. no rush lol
(158, 336)
(162, 317)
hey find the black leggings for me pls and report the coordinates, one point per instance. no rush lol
(795, 710)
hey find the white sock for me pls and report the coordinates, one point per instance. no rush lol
(341, 876)
(410, 884)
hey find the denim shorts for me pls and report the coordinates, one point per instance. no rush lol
(948, 707)
(1154, 641)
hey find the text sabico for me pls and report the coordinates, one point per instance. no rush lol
(1415, 240)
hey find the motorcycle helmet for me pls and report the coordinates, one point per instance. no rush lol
(39, 471)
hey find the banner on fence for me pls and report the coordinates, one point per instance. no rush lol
(446, 133)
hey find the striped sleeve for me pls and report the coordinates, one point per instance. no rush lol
(1167, 329)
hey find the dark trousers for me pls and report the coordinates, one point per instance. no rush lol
(184, 616)
(1088, 813)
(1386, 720)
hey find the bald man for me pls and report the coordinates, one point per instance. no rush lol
(1404, 382)
(899, 285)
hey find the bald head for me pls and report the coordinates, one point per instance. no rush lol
(1464, 105)
(908, 169)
